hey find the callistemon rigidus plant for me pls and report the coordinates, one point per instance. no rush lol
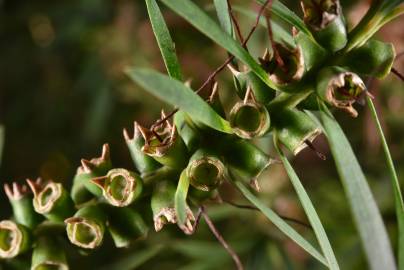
(183, 161)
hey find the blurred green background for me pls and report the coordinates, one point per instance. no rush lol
(63, 93)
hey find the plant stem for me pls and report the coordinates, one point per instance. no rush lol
(220, 238)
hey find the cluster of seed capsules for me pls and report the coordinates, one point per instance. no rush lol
(182, 162)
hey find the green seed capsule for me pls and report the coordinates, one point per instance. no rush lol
(86, 228)
(292, 68)
(166, 146)
(246, 158)
(126, 226)
(162, 205)
(48, 255)
(14, 239)
(205, 170)
(120, 187)
(327, 23)
(375, 59)
(249, 119)
(143, 162)
(20, 198)
(89, 169)
(262, 93)
(51, 200)
(340, 88)
(293, 128)
(313, 53)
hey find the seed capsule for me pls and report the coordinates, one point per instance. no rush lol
(120, 187)
(143, 163)
(162, 204)
(51, 200)
(205, 170)
(293, 128)
(246, 158)
(262, 93)
(86, 228)
(48, 255)
(83, 189)
(126, 226)
(20, 197)
(340, 88)
(249, 119)
(292, 67)
(375, 59)
(327, 23)
(165, 145)
(14, 239)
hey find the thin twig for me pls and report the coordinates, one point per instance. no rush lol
(220, 238)
(251, 207)
(398, 74)
(233, 18)
(228, 60)
(197, 219)
(312, 147)
(275, 51)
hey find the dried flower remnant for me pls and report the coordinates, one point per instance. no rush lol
(289, 70)
(326, 21)
(20, 197)
(340, 88)
(143, 163)
(164, 144)
(51, 199)
(120, 187)
(162, 204)
(86, 228)
(14, 239)
(205, 170)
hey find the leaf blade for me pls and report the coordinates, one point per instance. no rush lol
(164, 40)
(177, 94)
(180, 198)
(310, 212)
(398, 197)
(201, 21)
(279, 222)
(363, 206)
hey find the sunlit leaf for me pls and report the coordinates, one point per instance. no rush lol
(363, 206)
(166, 44)
(310, 212)
(280, 223)
(395, 183)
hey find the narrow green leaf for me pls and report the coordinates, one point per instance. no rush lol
(289, 16)
(200, 20)
(280, 34)
(166, 44)
(177, 94)
(310, 211)
(395, 183)
(363, 206)
(180, 199)
(280, 223)
(134, 260)
(222, 11)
